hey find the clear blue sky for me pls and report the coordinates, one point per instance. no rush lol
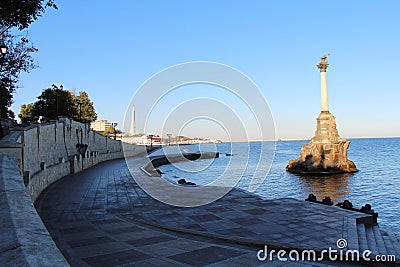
(109, 48)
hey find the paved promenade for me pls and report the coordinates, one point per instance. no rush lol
(101, 217)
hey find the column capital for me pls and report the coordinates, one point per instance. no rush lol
(323, 64)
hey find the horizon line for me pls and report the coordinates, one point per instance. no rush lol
(302, 139)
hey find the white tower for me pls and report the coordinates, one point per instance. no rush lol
(322, 66)
(133, 126)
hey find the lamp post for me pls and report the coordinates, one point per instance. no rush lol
(169, 139)
(57, 99)
(80, 109)
(3, 50)
(151, 140)
(114, 124)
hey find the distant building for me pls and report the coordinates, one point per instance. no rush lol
(154, 139)
(101, 126)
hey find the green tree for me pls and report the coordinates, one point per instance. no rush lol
(21, 13)
(86, 111)
(18, 59)
(16, 15)
(54, 102)
(26, 114)
(108, 132)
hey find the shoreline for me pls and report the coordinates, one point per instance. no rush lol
(305, 139)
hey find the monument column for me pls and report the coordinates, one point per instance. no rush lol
(322, 66)
(327, 151)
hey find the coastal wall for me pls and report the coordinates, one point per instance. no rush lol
(156, 161)
(46, 152)
(31, 159)
(24, 240)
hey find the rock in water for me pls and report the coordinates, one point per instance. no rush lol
(184, 182)
(326, 153)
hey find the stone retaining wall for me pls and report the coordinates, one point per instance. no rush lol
(24, 240)
(46, 152)
(31, 159)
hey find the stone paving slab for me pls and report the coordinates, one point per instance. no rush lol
(101, 217)
(250, 219)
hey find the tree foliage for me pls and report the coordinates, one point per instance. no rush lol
(54, 102)
(86, 112)
(18, 59)
(16, 16)
(26, 114)
(21, 13)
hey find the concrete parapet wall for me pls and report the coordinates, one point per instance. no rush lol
(44, 178)
(31, 159)
(46, 152)
(24, 240)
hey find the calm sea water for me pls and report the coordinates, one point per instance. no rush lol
(377, 182)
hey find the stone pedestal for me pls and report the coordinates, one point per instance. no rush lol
(326, 153)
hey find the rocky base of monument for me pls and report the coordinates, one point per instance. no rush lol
(326, 153)
(317, 165)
